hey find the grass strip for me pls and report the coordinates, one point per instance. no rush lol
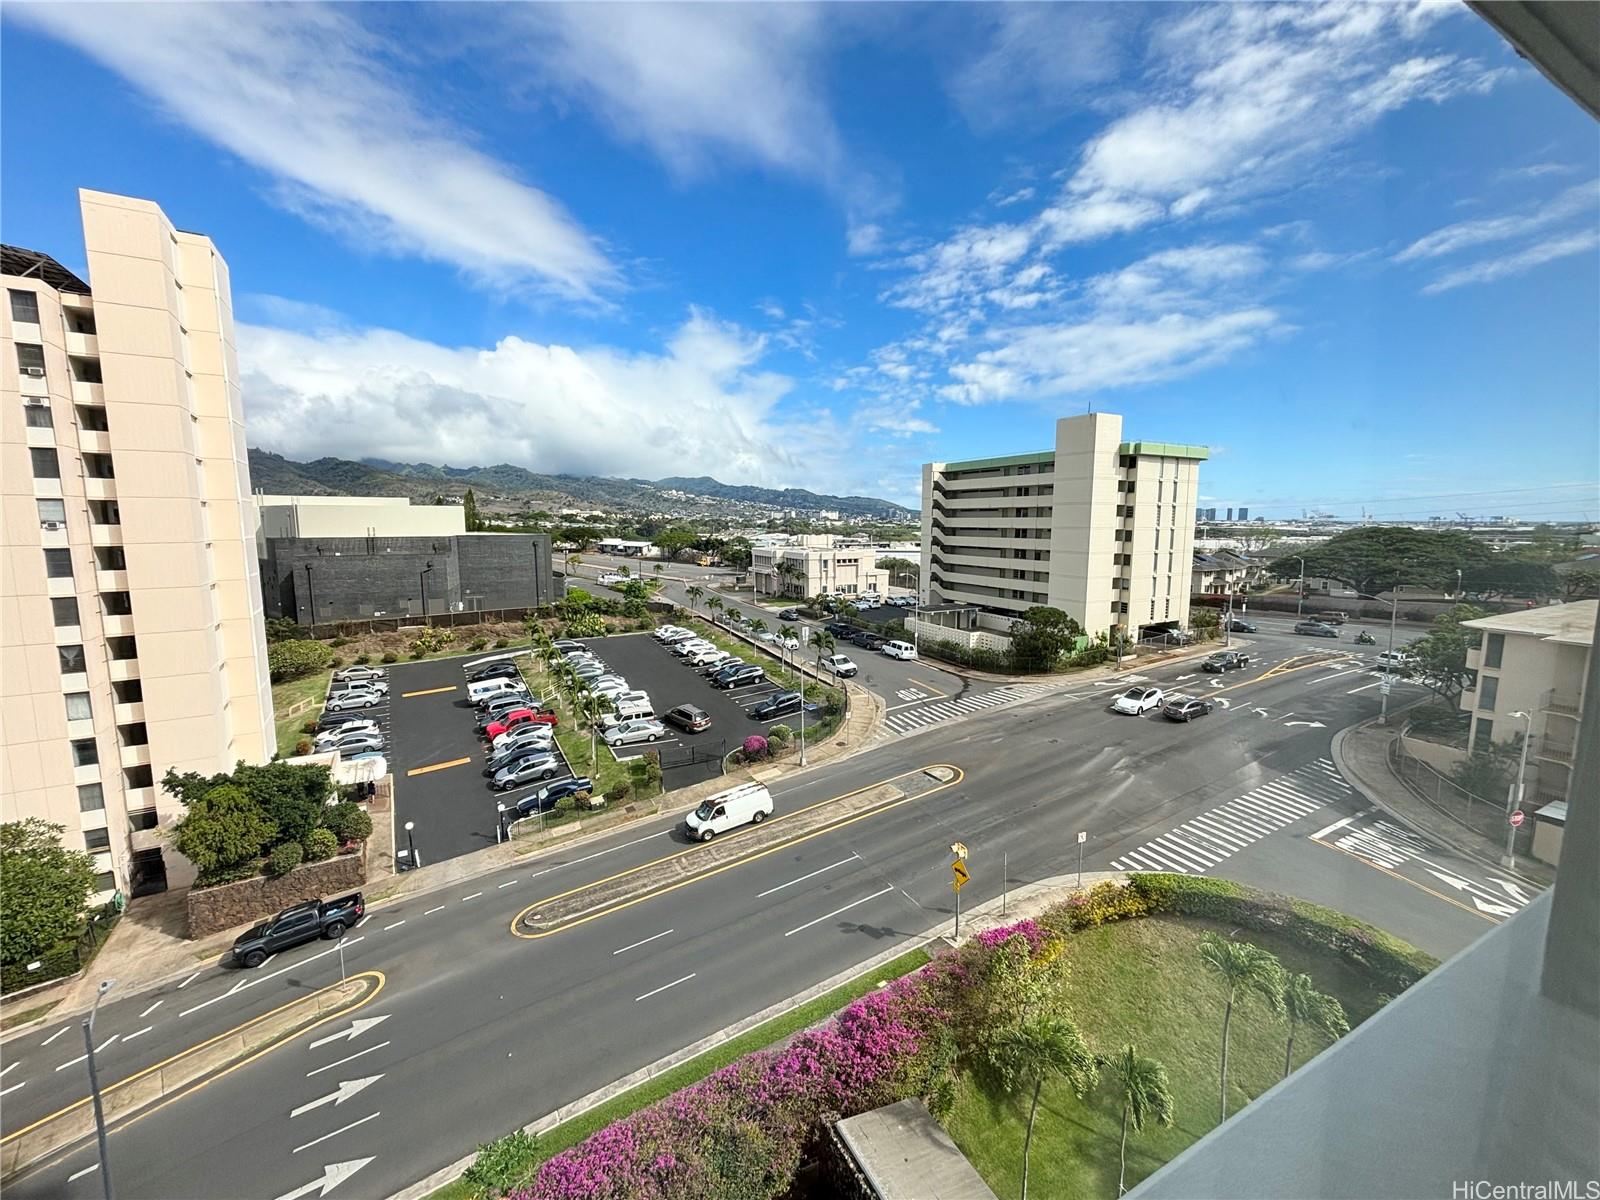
(569, 1133)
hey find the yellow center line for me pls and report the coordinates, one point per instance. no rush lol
(738, 862)
(440, 766)
(450, 687)
(1421, 887)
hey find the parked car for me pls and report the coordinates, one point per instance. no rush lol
(867, 639)
(839, 664)
(1332, 617)
(484, 690)
(749, 803)
(789, 614)
(353, 673)
(359, 725)
(295, 924)
(344, 701)
(567, 644)
(691, 646)
(499, 670)
(1238, 626)
(526, 770)
(662, 632)
(1225, 660)
(644, 729)
(353, 743)
(1186, 708)
(788, 641)
(902, 650)
(839, 629)
(1394, 661)
(545, 798)
(517, 717)
(720, 661)
(1315, 629)
(523, 735)
(1138, 700)
(359, 685)
(739, 676)
(782, 705)
(329, 721)
(514, 752)
(688, 718)
(499, 707)
(675, 636)
(702, 657)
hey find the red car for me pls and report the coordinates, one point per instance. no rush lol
(521, 716)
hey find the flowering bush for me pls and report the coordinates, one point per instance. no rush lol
(755, 747)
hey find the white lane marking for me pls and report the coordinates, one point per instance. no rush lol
(90, 1169)
(188, 981)
(1326, 830)
(266, 960)
(665, 986)
(506, 884)
(336, 1132)
(139, 1033)
(14, 1087)
(73, 1063)
(151, 1009)
(345, 1090)
(636, 945)
(803, 878)
(647, 837)
(837, 911)
(250, 983)
(7, 1070)
(431, 911)
(114, 1037)
(474, 896)
(367, 917)
(346, 1059)
(54, 1035)
(357, 1027)
(1362, 688)
(396, 925)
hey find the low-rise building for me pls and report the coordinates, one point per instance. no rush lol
(803, 570)
(1220, 574)
(1534, 662)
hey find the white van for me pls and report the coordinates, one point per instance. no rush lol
(747, 804)
(899, 650)
(485, 689)
(631, 706)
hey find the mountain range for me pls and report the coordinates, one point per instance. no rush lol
(276, 475)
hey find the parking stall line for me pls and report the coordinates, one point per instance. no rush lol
(440, 766)
(449, 687)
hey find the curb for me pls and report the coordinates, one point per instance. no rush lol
(933, 938)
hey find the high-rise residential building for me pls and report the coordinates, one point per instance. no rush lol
(1244, 514)
(1230, 514)
(131, 636)
(1097, 527)
(1211, 514)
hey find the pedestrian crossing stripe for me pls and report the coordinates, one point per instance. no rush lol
(1203, 841)
(945, 710)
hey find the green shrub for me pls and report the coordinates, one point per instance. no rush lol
(303, 747)
(294, 659)
(363, 659)
(338, 641)
(309, 728)
(389, 656)
(321, 844)
(589, 625)
(1100, 905)
(620, 792)
(284, 858)
(415, 653)
(566, 805)
(501, 1165)
(780, 735)
(349, 822)
(281, 629)
(477, 643)
(336, 662)
(501, 643)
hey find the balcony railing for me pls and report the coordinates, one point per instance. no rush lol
(1565, 704)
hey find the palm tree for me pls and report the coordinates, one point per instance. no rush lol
(1036, 1049)
(623, 570)
(1146, 1096)
(1244, 970)
(714, 606)
(1304, 1005)
(573, 561)
(594, 706)
(823, 641)
(694, 591)
(758, 626)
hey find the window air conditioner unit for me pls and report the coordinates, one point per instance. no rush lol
(52, 525)
(36, 372)
(34, 402)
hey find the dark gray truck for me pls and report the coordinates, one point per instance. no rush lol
(298, 923)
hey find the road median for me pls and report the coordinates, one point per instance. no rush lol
(186, 1071)
(567, 909)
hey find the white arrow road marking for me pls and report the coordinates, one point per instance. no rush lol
(335, 1133)
(357, 1027)
(347, 1088)
(1261, 712)
(1181, 678)
(1217, 682)
(1454, 881)
(1309, 724)
(250, 983)
(1512, 890)
(332, 1176)
(347, 1058)
(1224, 701)
(1498, 910)
(91, 1168)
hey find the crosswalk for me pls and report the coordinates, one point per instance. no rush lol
(1202, 842)
(912, 719)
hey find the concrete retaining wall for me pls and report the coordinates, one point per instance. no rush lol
(213, 909)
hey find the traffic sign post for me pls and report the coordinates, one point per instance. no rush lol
(1083, 836)
(958, 869)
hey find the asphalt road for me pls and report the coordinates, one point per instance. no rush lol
(482, 1031)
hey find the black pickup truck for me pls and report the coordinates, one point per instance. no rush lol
(298, 923)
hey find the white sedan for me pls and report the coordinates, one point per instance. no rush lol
(1138, 700)
(645, 729)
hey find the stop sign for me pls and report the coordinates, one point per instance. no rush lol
(1516, 818)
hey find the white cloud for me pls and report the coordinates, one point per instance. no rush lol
(862, 240)
(967, 264)
(701, 405)
(1582, 198)
(691, 80)
(1169, 280)
(1533, 171)
(1006, 200)
(1563, 246)
(1051, 360)
(1036, 58)
(304, 92)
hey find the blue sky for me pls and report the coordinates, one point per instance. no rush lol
(1351, 248)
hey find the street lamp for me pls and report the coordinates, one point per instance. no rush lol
(411, 846)
(1388, 661)
(1300, 599)
(1514, 795)
(94, 1085)
(422, 586)
(311, 600)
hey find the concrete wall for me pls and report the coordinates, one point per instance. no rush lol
(356, 516)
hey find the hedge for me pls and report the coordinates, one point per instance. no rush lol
(1394, 964)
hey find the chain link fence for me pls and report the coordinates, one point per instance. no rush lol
(1484, 817)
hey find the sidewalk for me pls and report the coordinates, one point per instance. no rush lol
(149, 946)
(1361, 754)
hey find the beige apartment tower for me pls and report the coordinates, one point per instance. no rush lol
(131, 636)
(1098, 527)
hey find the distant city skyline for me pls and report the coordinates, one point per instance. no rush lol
(1352, 249)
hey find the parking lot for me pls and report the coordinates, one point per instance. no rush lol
(437, 759)
(686, 758)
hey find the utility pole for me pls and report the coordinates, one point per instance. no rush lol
(1300, 600)
(1514, 794)
(1388, 664)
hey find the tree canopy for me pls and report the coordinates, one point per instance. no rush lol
(43, 888)
(1438, 658)
(1376, 558)
(222, 830)
(293, 659)
(674, 540)
(1042, 636)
